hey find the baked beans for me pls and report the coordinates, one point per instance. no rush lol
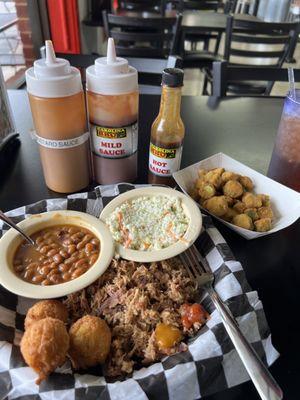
(62, 253)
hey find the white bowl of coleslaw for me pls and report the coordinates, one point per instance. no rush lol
(152, 223)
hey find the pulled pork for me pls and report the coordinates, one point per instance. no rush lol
(133, 298)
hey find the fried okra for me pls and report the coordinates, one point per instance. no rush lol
(251, 200)
(265, 212)
(214, 177)
(229, 176)
(217, 205)
(239, 207)
(233, 189)
(246, 182)
(263, 224)
(252, 213)
(265, 199)
(206, 191)
(230, 196)
(230, 214)
(243, 221)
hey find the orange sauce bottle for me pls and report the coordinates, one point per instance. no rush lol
(167, 131)
(58, 109)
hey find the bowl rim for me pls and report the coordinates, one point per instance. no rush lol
(191, 234)
(10, 281)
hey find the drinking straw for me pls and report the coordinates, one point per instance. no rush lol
(292, 82)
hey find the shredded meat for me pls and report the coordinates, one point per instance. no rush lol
(133, 298)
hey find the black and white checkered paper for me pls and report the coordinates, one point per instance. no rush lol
(211, 363)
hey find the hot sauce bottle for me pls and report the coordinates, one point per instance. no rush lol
(167, 131)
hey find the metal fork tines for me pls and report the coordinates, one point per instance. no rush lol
(196, 268)
(265, 384)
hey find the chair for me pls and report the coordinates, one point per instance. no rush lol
(149, 70)
(143, 5)
(155, 37)
(255, 42)
(200, 5)
(225, 74)
(246, 7)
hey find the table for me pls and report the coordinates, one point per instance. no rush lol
(243, 128)
(193, 21)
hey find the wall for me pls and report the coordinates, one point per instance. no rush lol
(25, 31)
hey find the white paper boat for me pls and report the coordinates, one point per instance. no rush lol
(285, 201)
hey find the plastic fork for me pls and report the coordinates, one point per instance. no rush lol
(264, 382)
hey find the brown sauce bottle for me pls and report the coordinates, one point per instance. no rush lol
(167, 131)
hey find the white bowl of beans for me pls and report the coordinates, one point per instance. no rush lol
(72, 249)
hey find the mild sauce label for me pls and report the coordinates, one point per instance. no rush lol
(163, 162)
(114, 142)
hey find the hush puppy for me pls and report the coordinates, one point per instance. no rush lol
(243, 221)
(46, 308)
(90, 339)
(233, 189)
(44, 346)
(263, 224)
(251, 200)
(217, 205)
(246, 182)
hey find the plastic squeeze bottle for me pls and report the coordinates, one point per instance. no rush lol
(59, 115)
(112, 97)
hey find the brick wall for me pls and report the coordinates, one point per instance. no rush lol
(25, 31)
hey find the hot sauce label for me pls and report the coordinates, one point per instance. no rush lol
(163, 162)
(114, 142)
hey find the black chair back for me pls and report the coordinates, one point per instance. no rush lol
(149, 70)
(246, 39)
(225, 74)
(155, 37)
(143, 5)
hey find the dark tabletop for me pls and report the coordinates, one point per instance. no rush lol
(243, 128)
(192, 20)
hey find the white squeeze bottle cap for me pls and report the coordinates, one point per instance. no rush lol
(53, 77)
(111, 75)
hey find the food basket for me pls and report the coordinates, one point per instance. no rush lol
(210, 364)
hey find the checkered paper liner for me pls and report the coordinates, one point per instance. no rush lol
(210, 364)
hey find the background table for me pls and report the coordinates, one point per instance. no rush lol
(243, 128)
(193, 21)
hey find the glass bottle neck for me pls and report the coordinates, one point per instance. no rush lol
(170, 102)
